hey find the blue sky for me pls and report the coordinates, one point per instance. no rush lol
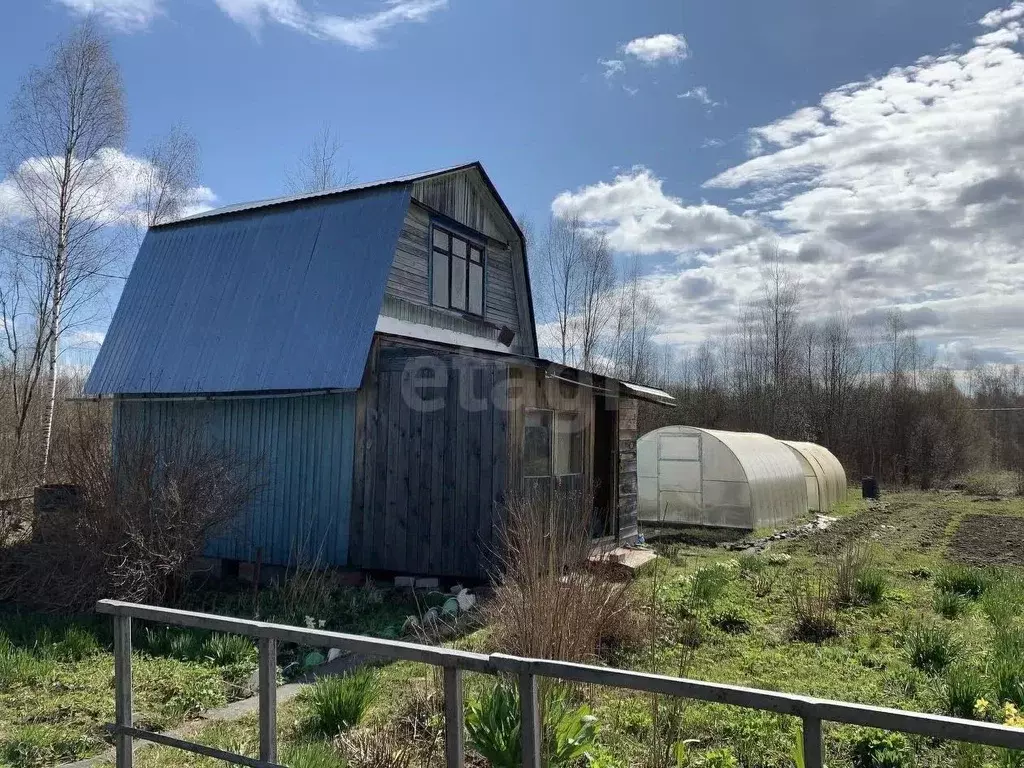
(700, 185)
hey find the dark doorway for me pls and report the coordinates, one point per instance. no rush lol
(606, 452)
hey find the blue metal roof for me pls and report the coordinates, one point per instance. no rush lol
(267, 299)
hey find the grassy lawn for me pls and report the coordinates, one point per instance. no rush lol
(931, 622)
(56, 675)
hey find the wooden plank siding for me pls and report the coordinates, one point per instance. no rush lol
(627, 491)
(530, 388)
(464, 198)
(431, 490)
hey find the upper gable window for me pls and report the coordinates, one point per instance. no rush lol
(457, 272)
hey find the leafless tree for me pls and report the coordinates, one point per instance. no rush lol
(636, 323)
(596, 290)
(320, 166)
(65, 118)
(168, 178)
(562, 256)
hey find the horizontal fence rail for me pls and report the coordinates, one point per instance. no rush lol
(812, 711)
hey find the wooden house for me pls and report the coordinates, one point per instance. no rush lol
(373, 351)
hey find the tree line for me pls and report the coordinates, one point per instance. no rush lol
(871, 392)
(74, 207)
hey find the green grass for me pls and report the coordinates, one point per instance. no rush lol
(56, 690)
(744, 613)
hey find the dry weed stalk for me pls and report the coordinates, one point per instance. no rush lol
(548, 603)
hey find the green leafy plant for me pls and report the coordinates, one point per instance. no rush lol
(877, 749)
(731, 620)
(338, 703)
(493, 723)
(230, 650)
(718, 758)
(963, 686)
(930, 647)
(951, 605)
(871, 586)
(492, 726)
(962, 580)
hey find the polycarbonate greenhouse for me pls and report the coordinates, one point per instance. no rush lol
(693, 476)
(823, 474)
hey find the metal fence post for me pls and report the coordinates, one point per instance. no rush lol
(454, 718)
(123, 742)
(812, 743)
(268, 699)
(529, 712)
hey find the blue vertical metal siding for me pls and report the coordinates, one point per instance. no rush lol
(302, 449)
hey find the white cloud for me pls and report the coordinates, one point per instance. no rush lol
(612, 67)
(711, 143)
(362, 32)
(664, 47)
(640, 217)
(699, 94)
(112, 183)
(905, 190)
(125, 15)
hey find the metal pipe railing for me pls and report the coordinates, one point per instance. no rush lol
(812, 712)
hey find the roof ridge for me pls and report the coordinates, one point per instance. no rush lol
(333, 192)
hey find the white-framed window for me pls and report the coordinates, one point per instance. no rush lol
(552, 443)
(456, 271)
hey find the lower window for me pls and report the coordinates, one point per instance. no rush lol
(552, 444)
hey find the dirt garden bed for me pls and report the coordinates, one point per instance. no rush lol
(988, 540)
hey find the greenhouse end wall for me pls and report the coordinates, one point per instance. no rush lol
(694, 476)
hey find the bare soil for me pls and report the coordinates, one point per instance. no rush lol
(914, 528)
(988, 540)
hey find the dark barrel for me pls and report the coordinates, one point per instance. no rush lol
(869, 487)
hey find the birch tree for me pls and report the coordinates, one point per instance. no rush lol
(168, 178)
(320, 166)
(65, 119)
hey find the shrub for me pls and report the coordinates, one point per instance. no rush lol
(492, 726)
(547, 603)
(963, 686)
(133, 532)
(814, 616)
(950, 605)
(930, 647)
(987, 483)
(338, 703)
(962, 580)
(881, 750)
